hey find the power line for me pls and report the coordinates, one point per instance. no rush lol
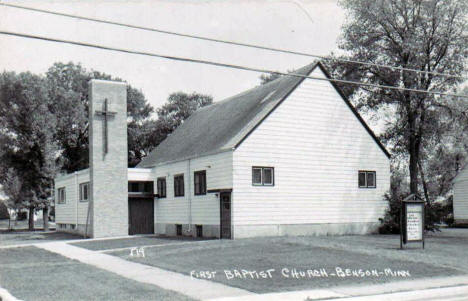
(239, 67)
(227, 41)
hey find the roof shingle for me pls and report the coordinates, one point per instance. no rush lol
(223, 125)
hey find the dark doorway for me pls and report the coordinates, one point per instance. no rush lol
(141, 216)
(225, 213)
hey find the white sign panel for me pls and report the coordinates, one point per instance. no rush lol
(414, 222)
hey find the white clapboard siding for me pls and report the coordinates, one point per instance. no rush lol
(317, 146)
(140, 174)
(460, 195)
(67, 213)
(204, 208)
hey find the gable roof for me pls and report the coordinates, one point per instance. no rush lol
(224, 125)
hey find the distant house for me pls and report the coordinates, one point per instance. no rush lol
(460, 196)
(291, 157)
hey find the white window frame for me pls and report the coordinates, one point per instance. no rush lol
(160, 188)
(272, 176)
(176, 195)
(82, 185)
(262, 178)
(61, 197)
(366, 172)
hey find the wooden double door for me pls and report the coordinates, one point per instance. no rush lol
(140, 216)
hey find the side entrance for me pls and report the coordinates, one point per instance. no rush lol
(225, 214)
(140, 216)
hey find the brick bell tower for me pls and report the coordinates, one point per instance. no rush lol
(108, 158)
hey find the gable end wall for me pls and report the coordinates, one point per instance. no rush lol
(317, 146)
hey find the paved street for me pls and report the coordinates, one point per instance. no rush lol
(457, 293)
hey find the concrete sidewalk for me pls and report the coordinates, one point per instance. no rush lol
(194, 288)
(457, 293)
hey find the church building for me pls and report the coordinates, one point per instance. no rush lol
(291, 157)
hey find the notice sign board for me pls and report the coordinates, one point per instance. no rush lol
(412, 220)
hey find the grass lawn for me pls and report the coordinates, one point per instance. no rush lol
(442, 257)
(135, 241)
(31, 273)
(25, 237)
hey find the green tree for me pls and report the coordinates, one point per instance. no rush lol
(68, 89)
(425, 35)
(447, 149)
(179, 106)
(28, 150)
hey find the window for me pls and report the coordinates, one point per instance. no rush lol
(367, 179)
(199, 230)
(61, 195)
(161, 187)
(133, 187)
(263, 176)
(200, 182)
(179, 185)
(178, 230)
(140, 187)
(84, 192)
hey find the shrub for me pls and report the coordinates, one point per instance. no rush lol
(436, 213)
(390, 224)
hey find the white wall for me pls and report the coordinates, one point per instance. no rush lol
(67, 213)
(140, 174)
(460, 195)
(204, 208)
(317, 146)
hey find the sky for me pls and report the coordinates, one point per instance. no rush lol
(311, 26)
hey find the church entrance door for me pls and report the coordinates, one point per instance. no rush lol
(140, 216)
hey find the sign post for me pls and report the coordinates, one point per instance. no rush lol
(412, 220)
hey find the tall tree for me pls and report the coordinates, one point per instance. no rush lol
(426, 35)
(69, 93)
(447, 150)
(29, 150)
(179, 106)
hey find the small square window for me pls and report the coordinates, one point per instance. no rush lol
(263, 176)
(367, 179)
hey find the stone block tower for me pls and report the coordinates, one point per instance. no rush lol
(108, 158)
